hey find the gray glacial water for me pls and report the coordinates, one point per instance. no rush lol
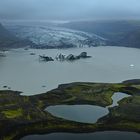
(22, 71)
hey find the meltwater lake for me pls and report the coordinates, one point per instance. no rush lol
(24, 72)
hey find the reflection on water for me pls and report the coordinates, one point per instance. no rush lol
(107, 135)
(22, 71)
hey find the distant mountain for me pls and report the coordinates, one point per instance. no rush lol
(73, 34)
(115, 31)
(132, 39)
(8, 40)
(56, 37)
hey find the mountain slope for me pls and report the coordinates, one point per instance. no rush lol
(132, 39)
(56, 37)
(115, 31)
(8, 40)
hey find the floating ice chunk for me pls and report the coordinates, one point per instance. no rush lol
(132, 65)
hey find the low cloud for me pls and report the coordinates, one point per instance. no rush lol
(69, 9)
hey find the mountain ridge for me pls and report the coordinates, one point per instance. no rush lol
(9, 40)
(118, 32)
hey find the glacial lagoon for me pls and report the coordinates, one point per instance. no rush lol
(24, 72)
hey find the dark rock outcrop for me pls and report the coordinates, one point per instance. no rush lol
(46, 58)
(70, 57)
(132, 82)
(84, 55)
(61, 57)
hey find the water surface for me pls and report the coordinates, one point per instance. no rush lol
(22, 71)
(107, 135)
(84, 113)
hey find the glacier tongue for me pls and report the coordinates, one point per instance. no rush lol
(56, 37)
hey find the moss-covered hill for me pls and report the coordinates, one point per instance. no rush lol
(23, 115)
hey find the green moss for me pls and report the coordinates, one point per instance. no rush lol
(29, 117)
(10, 114)
(26, 99)
(136, 86)
(40, 104)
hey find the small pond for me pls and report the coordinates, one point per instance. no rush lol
(84, 113)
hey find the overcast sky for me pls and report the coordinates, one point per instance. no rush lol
(69, 9)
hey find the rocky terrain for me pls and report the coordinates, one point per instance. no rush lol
(62, 57)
